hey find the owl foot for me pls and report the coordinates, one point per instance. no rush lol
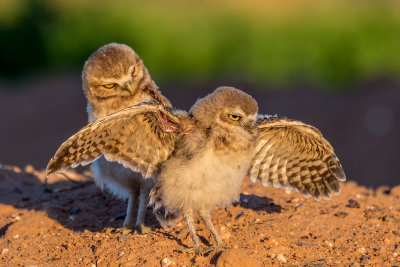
(141, 229)
(123, 231)
(200, 251)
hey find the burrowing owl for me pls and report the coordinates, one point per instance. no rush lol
(114, 78)
(202, 157)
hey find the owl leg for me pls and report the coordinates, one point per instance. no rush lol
(143, 202)
(129, 219)
(188, 217)
(205, 217)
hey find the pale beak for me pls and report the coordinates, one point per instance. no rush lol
(128, 87)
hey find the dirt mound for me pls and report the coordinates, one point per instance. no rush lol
(72, 223)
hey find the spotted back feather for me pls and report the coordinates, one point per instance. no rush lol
(295, 155)
(140, 137)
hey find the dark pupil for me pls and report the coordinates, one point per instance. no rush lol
(234, 116)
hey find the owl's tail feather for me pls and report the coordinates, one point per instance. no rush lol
(165, 218)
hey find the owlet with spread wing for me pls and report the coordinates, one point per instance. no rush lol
(202, 157)
(114, 77)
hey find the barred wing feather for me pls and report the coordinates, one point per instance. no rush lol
(295, 155)
(140, 137)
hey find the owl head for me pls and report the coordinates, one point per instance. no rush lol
(114, 71)
(227, 107)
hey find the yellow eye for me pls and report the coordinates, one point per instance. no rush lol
(133, 70)
(234, 117)
(109, 86)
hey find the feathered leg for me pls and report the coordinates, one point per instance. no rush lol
(143, 202)
(188, 217)
(206, 219)
(129, 220)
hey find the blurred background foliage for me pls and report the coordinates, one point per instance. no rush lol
(333, 44)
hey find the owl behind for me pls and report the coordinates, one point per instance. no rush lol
(114, 77)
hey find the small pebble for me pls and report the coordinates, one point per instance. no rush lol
(4, 250)
(299, 243)
(167, 262)
(388, 218)
(298, 206)
(368, 213)
(281, 258)
(365, 257)
(294, 200)
(341, 214)
(16, 218)
(353, 204)
(362, 250)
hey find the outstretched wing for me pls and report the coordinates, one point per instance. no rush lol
(295, 155)
(140, 137)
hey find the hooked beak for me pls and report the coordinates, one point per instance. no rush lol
(250, 126)
(128, 87)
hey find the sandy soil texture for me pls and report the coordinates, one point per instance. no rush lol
(75, 224)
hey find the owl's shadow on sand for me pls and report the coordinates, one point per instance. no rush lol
(81, 205)
(258, 203)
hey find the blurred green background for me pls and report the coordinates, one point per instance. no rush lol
(330, 44)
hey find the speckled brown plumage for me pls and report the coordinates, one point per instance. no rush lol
(133, 137)
(206, 154)
(295, 155)
(114, 78)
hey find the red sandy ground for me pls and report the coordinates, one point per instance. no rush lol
(71, 226)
